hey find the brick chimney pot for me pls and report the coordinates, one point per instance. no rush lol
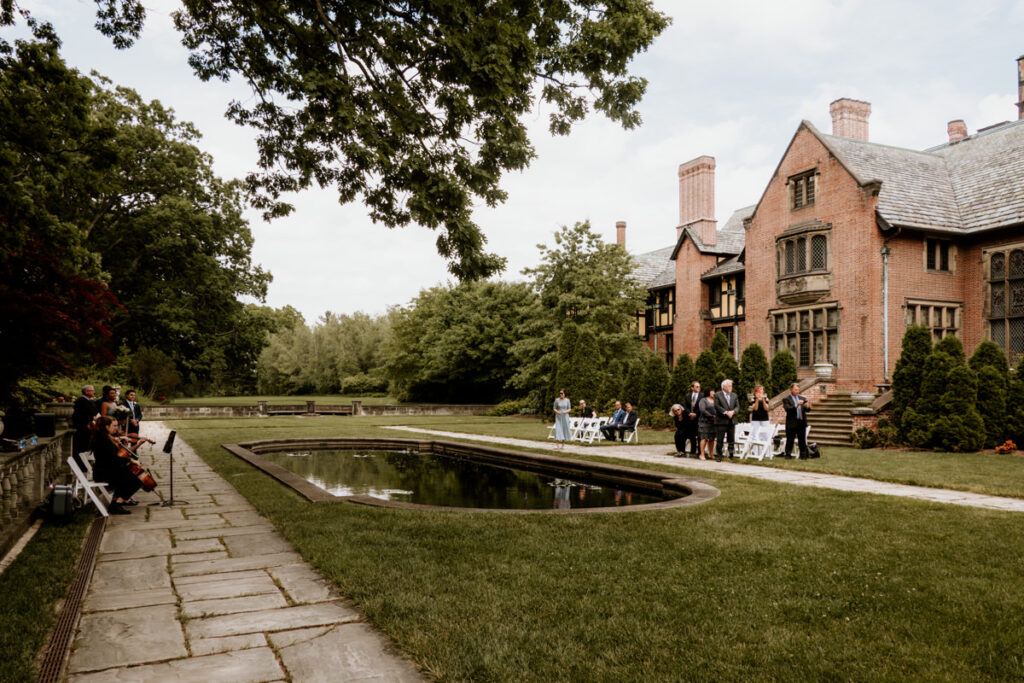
(957, 130)
(620, 233)
(697, 198)
(850, 118)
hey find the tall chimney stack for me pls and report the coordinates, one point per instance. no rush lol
(850, 118)
(697, 198)
(1020, 87)
(620, 233)
(957, 130)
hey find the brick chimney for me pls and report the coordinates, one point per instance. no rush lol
(697, 198)
(957, 130)
(850, 118)
(1020, 87)
(620, 233)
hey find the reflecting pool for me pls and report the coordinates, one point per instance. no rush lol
(429, 479)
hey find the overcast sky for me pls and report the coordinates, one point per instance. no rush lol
(731, 79)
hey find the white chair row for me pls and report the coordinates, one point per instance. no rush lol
(85, 485)
(588, 429)
(761, 445)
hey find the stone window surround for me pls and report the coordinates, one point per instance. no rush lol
(946, 325)
(829, 332)
(807, 230)
(802, 182)
(926, 245)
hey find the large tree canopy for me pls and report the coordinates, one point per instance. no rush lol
(416, 107)
(107, 199)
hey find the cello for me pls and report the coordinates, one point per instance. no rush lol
(126, 449)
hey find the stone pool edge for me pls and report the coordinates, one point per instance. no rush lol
(693, 490)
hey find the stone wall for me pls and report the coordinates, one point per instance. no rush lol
(262, 408)
(25, 479)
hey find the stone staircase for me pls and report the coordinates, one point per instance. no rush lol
(830, 420)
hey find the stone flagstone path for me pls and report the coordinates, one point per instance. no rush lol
(656, 453)
(210, 592)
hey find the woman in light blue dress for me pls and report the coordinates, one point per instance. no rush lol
(562, 407)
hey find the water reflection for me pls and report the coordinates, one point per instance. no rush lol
(429, 479)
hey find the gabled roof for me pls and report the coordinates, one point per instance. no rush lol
(655, 269)
(726, 267)
(968, 186)
(729, 239)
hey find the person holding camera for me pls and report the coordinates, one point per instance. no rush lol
(796, 421)
(759, 421)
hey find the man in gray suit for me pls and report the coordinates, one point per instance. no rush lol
(726, 405)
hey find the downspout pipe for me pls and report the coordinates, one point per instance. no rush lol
(885, 251)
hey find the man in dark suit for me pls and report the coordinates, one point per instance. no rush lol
(134, 412)
(628, 422)
(726, 405)
(84, 411)
(691, 415)
(796, 421)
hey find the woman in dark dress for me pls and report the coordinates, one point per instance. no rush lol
(111, 468)
(680, 422)
(706, 424)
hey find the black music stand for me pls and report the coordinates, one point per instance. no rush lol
(168, 449)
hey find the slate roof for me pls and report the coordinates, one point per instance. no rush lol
(968, 186)
(730, 265)
(655, 269)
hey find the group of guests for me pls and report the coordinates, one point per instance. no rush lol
(706, 420)
(99, 424)
(622, 422)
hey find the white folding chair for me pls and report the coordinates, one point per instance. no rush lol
(782, 442)
(594, 430)
(760, 444)
(89, 486)
(633, 435)
(742, 435)
(582, 424)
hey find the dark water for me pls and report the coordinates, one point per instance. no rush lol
(429, 479)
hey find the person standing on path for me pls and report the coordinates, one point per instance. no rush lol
(131, 423)
(562, 407)
(691, 411)
(84, 411)
(706, 408)
(726, 405)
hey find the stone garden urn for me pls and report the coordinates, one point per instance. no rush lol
(824, 370)
(862, 398)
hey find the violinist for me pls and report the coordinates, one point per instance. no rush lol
(112, 468)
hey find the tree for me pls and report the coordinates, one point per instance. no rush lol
(989, 362)
(783, 371)
(946, 416)
(682, 378)
(906, 376)
(416, 108)
(585, 282)
(754, 369)
(568, 373)
(632, 387)
(453, 343)
(706, 369)
(653, 382)
(588, 377)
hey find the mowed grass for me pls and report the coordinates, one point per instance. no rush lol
(988, 473)
(30, 592)
(766, 582)
(328, 399)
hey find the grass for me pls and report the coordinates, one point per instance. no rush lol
(988, 473)
(30, 590)
(766, 582)
(330, 399)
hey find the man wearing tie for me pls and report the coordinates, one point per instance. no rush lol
(726, 405)
(134, 413)
(691, 414)
(611, 427)
(796, 421)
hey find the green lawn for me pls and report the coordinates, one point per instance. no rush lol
(989, 473)
(766, 582)
(330, 399)
(30, 590)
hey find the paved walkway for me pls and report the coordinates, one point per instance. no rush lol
(656, 453)
(210, 592)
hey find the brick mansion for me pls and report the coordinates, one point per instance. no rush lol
(850, 242)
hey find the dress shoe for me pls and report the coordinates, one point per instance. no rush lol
(117, 509)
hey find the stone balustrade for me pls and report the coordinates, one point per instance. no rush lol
(25, 479)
